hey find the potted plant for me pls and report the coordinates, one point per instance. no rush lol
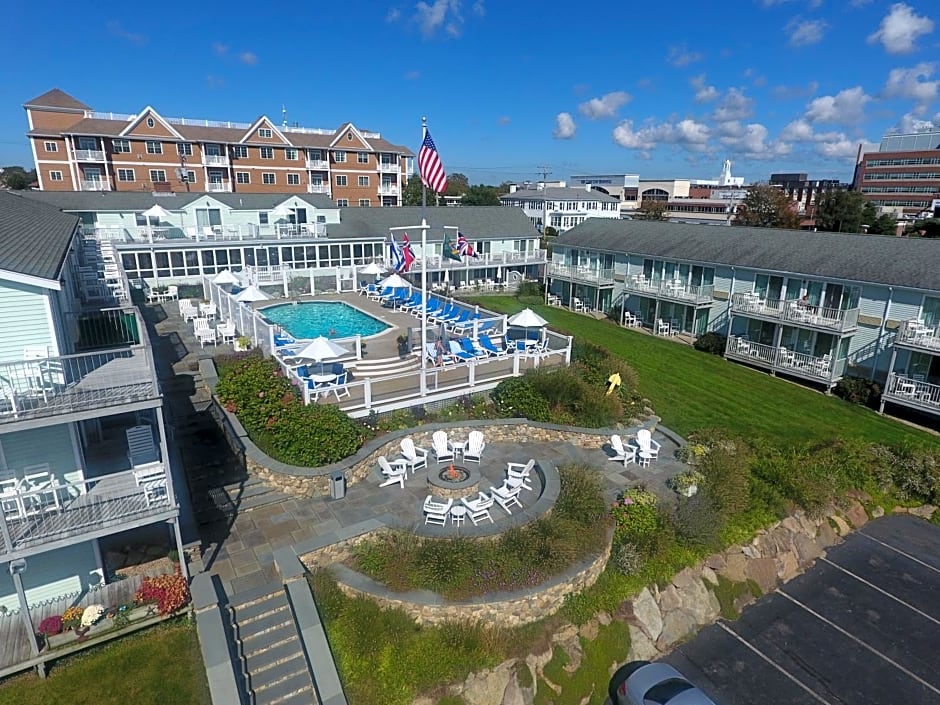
(686, 483)
(242, 343)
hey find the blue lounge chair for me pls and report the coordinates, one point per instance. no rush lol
(281, 339)
(464, 327)
(463, 318)
(458, 353)
(469, 347)
(490, 347)
(449, 311)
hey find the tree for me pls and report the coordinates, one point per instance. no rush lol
(652, 210)
(767, 207)
(924, 228)
(411, 196)
(480, 195)
(17, 178)
(457, 184)
(503, 188)
(550, 231)
(841, 211)
(885, 224)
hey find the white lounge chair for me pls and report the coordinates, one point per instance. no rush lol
(507, 496)
(227, 332)
(441, 448)
(436, 512)
(393, 473)
(646, 443)
(414, 457)
(478, 509)
(520, 473)
(622, 454)
(475, 446)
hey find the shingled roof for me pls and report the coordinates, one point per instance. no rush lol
(56, 99)
(476, 222)
(34, 237)
(141, 201)
(890, 261)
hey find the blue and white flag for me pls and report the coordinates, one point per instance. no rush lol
(398, 258)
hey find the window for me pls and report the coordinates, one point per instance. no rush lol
(158, 175)
(55, 176)
(314, 155)
(88, 143)
(240, 151)
(121, 146)
(126, 175)
(51, 147)
(262, 218)
(363, 180)
(339, 156)
(242, 177)
(290, 154)
(190, 176)
(184, 149)
(341, 179)
(151, 122)
(363, 157)
(268, 177)
(264, 132)
(154, 147)
(293, 179)
(342, 202)
(364, 202)
(267, 152)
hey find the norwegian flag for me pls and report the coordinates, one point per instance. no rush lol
(407, 255)
(464, 247)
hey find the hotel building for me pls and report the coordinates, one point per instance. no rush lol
(903, 176)
(76, 148)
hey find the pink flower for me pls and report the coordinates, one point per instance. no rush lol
(261, 395)
(627, 501)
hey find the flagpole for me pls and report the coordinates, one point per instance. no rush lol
(424, 272)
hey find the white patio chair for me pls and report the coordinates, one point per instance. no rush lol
(478, 509)
(207, 335)
(646, 442)
(662, 328)
(227, 332)
(436, 512)
(394, 473)
(622, 454)
(507, 496)
(153, 483)
(475, 446)
(340, 387)
(521, 472)
(414, 457)
(441, 448)
(388, 467)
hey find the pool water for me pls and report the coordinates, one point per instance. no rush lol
(332, 319)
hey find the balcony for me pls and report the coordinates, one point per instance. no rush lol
(671, 290)
(795, 313)
(95, 185)
(218, 187)
(89, 155)
(917, 336)
(318, 188)
(62, 512)
(390, 190)
(583, 274)
(318, 164)
(388, 168)
(916, 394)
(815, 369)
(437, 263)
(215, 160)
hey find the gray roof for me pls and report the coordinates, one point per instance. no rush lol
(554, 193)
(476, 222)
(892, 261)
(34, 238)
(56, 98)
(77, 201)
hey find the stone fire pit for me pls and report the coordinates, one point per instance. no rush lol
(454, 481)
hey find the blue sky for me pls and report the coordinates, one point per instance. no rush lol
(660, 89)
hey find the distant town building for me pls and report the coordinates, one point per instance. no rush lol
(903, 176)
(561, 207)
(805, 192)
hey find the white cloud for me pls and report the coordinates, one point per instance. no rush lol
(797, 131)
(900, 28)
(564, 127)
(248, 57)
(441, 15)
(845, 107)
(686, 133)
(907, 83)
(680, 56)
(734, 106)
(219, 48)
(831, 145)
(479, 8)
(794, 92)
(749, 140)
(837, 147)
(911, 122)
(394, 14)
(805, 33)
(503, 120)
(604, 107)
(703, 92)
(412, 75)
(116, 29)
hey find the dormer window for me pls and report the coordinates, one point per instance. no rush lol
(264, 132)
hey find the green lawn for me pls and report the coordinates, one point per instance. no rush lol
(159, 666)
(690, 389)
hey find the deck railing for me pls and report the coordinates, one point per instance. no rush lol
(918, 335)
(796, 312)
(671, 289)
(318, 164)
(822, 369)
(64, 510)
(591, 275)
(215, 160)
(89, 155)
(912, 392)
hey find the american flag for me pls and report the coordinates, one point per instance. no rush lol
(407, 255)
(463, 247)
(429, 165)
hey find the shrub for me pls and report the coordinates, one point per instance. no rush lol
(51, 625)
(530, 290)
(516, 397)
(711, 342)
(859, 390)
(626, 558)
(725, 464)
(698, 521)
(635, 515)
(581, 495)
(912, 474)
(168, 592)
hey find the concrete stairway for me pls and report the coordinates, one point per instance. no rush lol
(269, 648)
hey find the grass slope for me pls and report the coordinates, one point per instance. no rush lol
(159, 666)
(690, 389)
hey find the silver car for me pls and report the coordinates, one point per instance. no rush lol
(644, 683)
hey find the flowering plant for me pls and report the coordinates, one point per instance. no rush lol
(685, 480)
(91, 615)
(51, 625)
(72, 617)
(635, 514)
(168, 592)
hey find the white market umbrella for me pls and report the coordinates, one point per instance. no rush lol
(527, 318)
(282, 211)
(446, 276)
(225, 277)
(394, 281)
(156, 211)
(499, 274)
(321, 348)
(373, 268)
(251, 293)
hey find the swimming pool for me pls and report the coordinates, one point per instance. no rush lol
(333, 319)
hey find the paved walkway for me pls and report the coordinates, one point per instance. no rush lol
(242, 523)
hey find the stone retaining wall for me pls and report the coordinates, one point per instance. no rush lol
(429, 609)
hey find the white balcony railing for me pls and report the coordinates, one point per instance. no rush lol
(218, 187)
(388, 190)
(915, 334)
(588, 274)
(820, 369)
(96, 185)
(796, 312)
(318, 188)
(33, 517)
(389, 168)
(215, 160)
(671, 289)
(89, 155)
(489, 259)
(318, 164)
(913, 392)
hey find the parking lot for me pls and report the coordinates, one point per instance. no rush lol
(863, 626)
